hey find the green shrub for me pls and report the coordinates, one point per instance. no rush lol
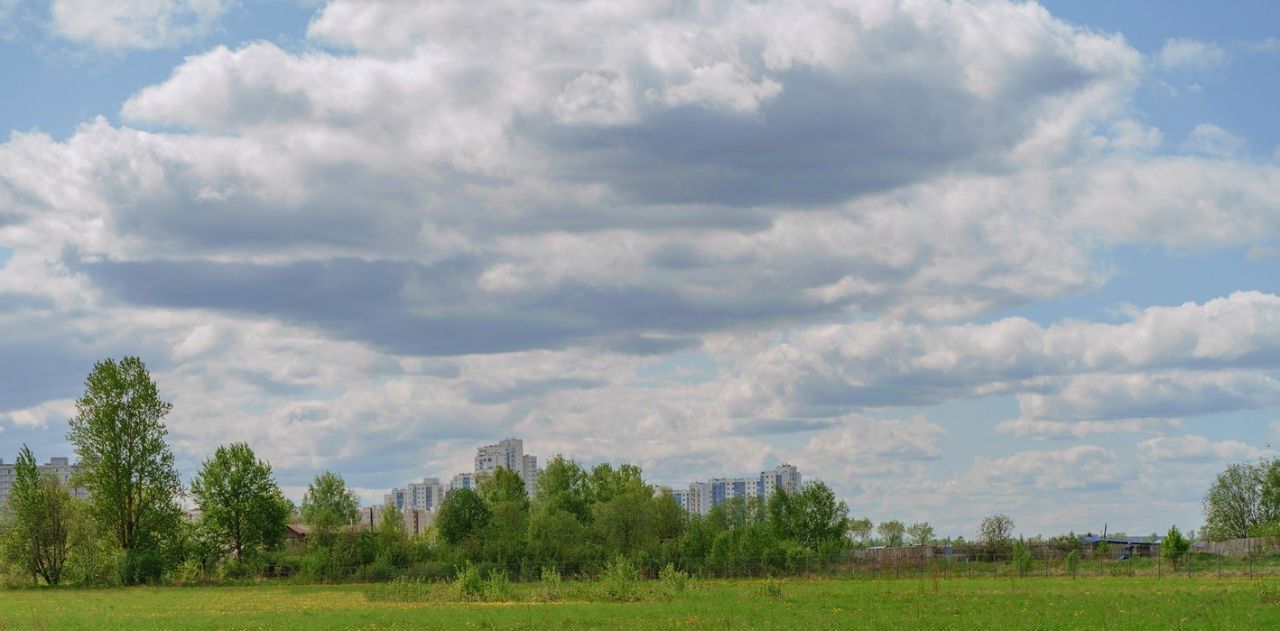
(1073, 561)
(618, 582)
(1021, 557)
(189, 572)
(551, 585)
(140, 567)
(671, 581)
(467, 584)
(496, 587)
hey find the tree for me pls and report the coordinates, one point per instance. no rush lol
(503, 485)
(1234, 504)
(1174, 546)
(462, 516)
(996, 532)
(507, 531)
(820, 521)
(891, 532)
(239, 499)
(40, 514)
(125, 464)
(921, 533)
(860, 530)
(562, 485)
(328, 506)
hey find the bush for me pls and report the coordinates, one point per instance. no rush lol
(189, 572)
(140, 567)
(496, 587)
(1021, 557)
(551, 585)
(618, 581)
(672, 581)
(468, 585)
(1073, 561)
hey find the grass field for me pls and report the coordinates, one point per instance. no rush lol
(1139, 603)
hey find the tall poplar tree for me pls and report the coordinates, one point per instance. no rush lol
(125, 464)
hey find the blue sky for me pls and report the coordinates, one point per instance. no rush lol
(949, 257)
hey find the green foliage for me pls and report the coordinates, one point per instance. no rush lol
(891, 532)
(1073, 561)
(497, 587)
(328, 506)
(1241, 498)
(125, 464)
(996, 533)
(551, 585)
(401, 590)
(239, 500)
(462, 516)
(563, 486)
(1174, 546)
(39, 518)
(468, 585)
(672, 582)
(860, 531)
(921, 533)
(1021, 556)
(619, 581)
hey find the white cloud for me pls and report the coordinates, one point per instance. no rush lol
(630, 231)
(1191, 54)
(1214, 141)
(1198, 448)
(128, 24)
(1068, 371)
(1041, 429)
(1078, 468)
(41, 415)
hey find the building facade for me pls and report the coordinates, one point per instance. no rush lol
(60, 468)
(425, 495)
(701, 497)
(508, 453)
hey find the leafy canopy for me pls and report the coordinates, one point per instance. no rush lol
(239, 500)
(125, 464)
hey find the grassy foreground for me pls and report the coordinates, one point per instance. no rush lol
(1200, 603)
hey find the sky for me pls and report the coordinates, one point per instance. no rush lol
(951, 258)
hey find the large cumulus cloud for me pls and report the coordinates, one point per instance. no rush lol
(698, 236)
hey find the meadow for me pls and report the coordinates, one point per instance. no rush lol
(1011, 603)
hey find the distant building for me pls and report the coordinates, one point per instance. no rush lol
(701, 497)
(425, 495)
(508, 453)
(58, 467)
(462, 481)
(416, 522)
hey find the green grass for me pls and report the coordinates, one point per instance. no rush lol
(1053, 603)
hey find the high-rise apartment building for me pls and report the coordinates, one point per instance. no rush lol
(425, 495)
(700, 497)
(462, 481)
(508, 453)
(58, 467)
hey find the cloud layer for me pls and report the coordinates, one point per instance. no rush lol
(703, 237)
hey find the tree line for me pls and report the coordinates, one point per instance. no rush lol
(133, 527)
